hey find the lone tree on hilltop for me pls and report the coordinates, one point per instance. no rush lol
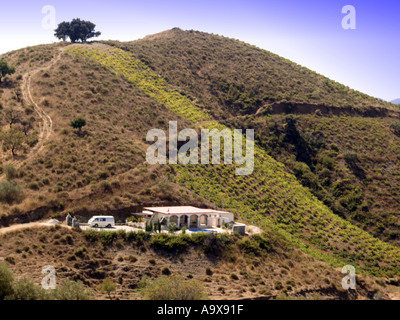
(78, 123)
(62, 31)
(5, 69)
(76, 30)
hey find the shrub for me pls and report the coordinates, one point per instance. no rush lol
(91, 235)
(71, 290)
(278, 285)
(183, 229)
(121, 234)
(198, 238)
(131, 235)
(234, 276)
(263, 242)
(10, 259)
(152, 261)
(107, 237)
(131, 258)
(68, 239)
(350, 156)
(25, 289)
(172, 288)
(165, 271)
(6, 281)
(10, 171)
(168, 242)
(131, 219)
(42, 237)
(149, 226)
(249, 246)
(216, 243)
(9, 191)
(395, 126)
(105, 186)
(209, 272)
(108, 286)
(172, 227)
(80, 252)
(33, 186)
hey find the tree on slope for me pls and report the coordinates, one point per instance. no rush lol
(5, 69)
(76, 30)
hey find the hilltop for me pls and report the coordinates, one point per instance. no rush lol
(325, 181)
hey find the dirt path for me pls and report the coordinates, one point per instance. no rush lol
(28, 225)
(46, 126)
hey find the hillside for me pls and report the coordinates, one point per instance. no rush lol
(245, 87)
(236, 273)
(321, 185)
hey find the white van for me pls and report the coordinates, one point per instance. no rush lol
(101, 222)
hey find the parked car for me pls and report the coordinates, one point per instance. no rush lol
(101, 222)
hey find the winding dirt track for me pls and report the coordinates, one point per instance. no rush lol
(22, 226)
(46, 125)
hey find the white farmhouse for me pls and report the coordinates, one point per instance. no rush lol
(189, 216)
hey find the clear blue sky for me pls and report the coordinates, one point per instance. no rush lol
(308, 32)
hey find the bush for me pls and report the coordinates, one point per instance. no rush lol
(209, 272)
(105, 186)
(81, 252)
(33, 186)
(234, 276)
(10, 171)
(278, 285)
(395, 126)
(216, 243)
(198, 238)
(172, 227)
(149, 226)
(132, 219)
(263, 243)
(6, 281)
(165, 271)
(107, 237)
(131, 235)
(350, 156)
(172, 288)
(152, 262)
(168, 242)
(183, 229)
(249, 246)
(108, 286)
(91, 235)
(25, 289)
(9, 191)
(131, 258)
(70, 290)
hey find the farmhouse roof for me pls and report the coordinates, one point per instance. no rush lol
(184, 210)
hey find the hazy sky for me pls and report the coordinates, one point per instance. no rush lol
(308, 32)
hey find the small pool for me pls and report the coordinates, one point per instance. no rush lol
(202, 230)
